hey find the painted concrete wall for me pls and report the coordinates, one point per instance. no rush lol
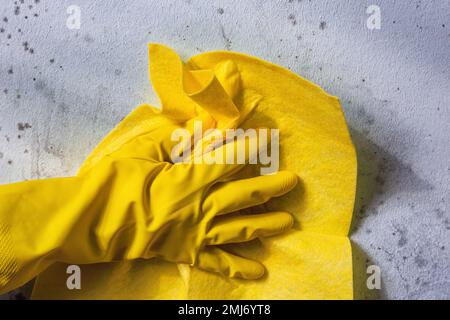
(62, 90)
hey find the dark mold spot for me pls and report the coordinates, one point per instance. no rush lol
(292, 19)
(402, 232)
(17, 10)
(447, 224)
(2, 30)
(439, 212)
(39, 85)
(47, 92)
(10, 71)
(5, 19)
(380, 180)
(322, 25)
(363, 115)
(226, 39)
(88, 38)
(22, 126)
(420, 261)
(220, 11)
(10, 162)
(52, 60)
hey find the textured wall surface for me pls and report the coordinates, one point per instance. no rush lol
(62, 90)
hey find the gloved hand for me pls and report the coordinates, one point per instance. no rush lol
(133, 204)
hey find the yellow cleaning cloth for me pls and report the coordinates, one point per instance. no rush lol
(231, 89)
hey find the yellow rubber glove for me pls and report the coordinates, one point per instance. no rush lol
(312, 262)
(131, 205)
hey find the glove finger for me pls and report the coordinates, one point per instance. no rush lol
(213, 166)
(214, 259)
(241, 194)
(241, 228)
